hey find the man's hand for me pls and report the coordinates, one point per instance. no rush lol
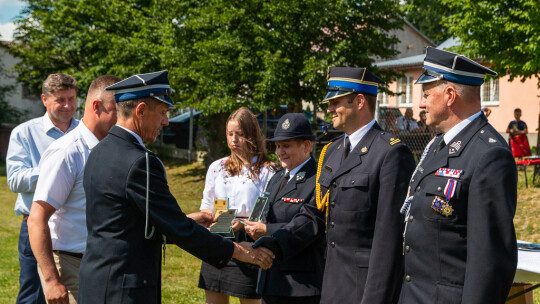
(246, 253)
(236, 225)
(255, 229)
(56, 293)
(202, 218)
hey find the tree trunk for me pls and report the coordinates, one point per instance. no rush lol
(217, 141)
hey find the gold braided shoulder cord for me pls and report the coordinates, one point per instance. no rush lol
(322, 202)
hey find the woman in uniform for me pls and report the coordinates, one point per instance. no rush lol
(297, 279)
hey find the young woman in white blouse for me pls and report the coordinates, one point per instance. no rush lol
(240, 178)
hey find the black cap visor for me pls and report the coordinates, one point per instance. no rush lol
(335, 92)
(429, 76)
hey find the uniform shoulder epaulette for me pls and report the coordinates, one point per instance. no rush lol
(391, 139)
(491, 139)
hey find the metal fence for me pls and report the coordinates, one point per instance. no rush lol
(416, 139)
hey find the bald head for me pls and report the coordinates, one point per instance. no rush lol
(97, 88)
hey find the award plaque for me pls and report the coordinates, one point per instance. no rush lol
(224, 222)
(258, 209)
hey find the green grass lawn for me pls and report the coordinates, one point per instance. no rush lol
(181, 270)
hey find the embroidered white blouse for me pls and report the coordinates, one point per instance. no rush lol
(241, 190)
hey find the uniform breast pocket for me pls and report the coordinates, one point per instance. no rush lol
(442, 199)
(354, 192)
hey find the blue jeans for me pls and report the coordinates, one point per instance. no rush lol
(30, 290)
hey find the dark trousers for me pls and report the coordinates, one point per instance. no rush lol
(266, 299)
(30, 290)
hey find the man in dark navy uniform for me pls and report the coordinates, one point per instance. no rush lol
(130, 210)
(298, 279)
(460, 243)
(362, 180)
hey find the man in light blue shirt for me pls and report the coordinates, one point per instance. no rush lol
(27, 143)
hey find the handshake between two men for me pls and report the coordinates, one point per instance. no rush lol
(244, 251)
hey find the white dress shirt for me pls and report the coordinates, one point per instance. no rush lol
(139, 139)
(26, 144)
(293, 172)
(448, 136)
(60, 185)
(357, 136)
(242, 190)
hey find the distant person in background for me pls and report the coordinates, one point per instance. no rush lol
(423, 127)
(407, 123)
(26, 144)
(390, 123)
(240, 178)
(518, 136)
(486, 110)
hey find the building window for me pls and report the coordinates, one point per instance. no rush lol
(382, 99)
(405, 91)
(490, 92)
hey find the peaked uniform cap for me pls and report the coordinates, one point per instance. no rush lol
(344, 81)
(440, 64)
(154, 85)
(292, 125)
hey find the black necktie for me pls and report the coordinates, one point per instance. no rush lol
(284, 180)
(441, 145)
(346, 148)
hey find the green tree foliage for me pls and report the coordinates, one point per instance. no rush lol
(427, 16)
(505, 32)
(221, 54)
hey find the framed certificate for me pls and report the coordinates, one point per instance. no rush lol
(258, 209)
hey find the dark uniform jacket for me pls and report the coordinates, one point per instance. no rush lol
(469, 256)
(120, 265)
(364, 226)
(300, 275)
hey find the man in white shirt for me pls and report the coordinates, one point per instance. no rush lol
(27, 143)
(57, 221)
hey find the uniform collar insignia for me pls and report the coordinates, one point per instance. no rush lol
(364, 150)
(454, 147)
(300, 176)
(327, 167)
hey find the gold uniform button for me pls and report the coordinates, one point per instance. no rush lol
(439, 189)
(408, 278)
